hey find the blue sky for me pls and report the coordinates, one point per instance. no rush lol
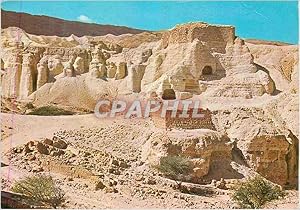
(262, 20)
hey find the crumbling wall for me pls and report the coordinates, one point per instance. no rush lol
(189, 122)
(215, 36)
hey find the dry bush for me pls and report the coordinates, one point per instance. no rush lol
(175, 167)
(49, 111)
(40, 190)
(255, 192)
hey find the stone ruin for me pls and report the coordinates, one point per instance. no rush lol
(168, 122)
(216, 37)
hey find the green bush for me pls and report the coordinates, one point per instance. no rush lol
(175, 167)
(50, 111)
(40, 190)
(255, 192)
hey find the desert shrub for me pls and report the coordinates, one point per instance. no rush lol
(175, 167)
(255, 192)
(50, 111)
(40, 190)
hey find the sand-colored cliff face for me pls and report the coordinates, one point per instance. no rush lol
(190, 59)
(280, 61)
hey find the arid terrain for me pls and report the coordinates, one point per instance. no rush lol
(249, 90)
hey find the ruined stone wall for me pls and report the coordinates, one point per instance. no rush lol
(216, 37)
(168, 122)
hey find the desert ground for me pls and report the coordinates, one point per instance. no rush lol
(136, 186)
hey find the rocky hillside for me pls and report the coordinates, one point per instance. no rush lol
(44, 25)
(247, 90)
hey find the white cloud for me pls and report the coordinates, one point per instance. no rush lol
(83, 18)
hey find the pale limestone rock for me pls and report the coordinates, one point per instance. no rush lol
(201, 167)
(121, 71)
(55, 66)
(135, 75)
(261, 142)
(238, 59)
(102, 71)
(165, 85)
(94, 68)
(281, 61)
(186, 54)
(26, 83)
(245, 85)
(184, 95)
(153, 70)
(201, 62)
(266, 154)
(43, 73)
(98, 55)
(266, 81)
(177, 80)
(97, 68)
(79, 66)
(202, 147)
(145, 55)
(12, 76)
(69, 70)
(111, 70)
(188, 58)
(94, 71)
(182, 80)
(114, 47)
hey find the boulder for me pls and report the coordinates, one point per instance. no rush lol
(60, 144)
(42, 148)
(48, 141)
(261, 143)
(99, 185)
(202, 147)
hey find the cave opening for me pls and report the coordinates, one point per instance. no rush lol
(207, 70)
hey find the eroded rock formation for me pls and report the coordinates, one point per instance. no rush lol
(189, 61)
(202, 147)
(195, 58)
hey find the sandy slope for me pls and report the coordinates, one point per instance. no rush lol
(80, 193)
(29, 127)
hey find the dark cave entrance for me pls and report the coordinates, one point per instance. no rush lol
(207, 70)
